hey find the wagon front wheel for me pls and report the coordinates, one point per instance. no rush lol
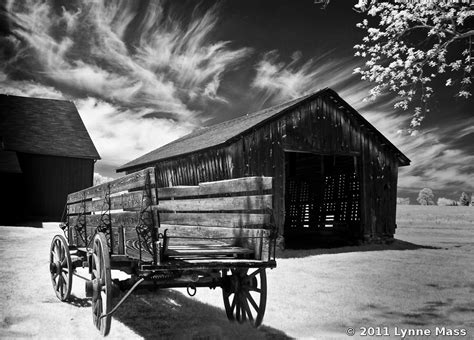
(60, 267)
(101, 284)
(245, 295)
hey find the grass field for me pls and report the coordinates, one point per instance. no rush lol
(422, 281)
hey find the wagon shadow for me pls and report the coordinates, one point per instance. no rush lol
(79, 302)
(168, 314)
(305, 250)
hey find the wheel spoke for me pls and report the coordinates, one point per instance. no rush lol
(237, 312)
(55, 256)
(102, 271)
(242, 308)
(58, 249)
(94, 307)
(234, 302)
(55, 253)
(104, 301)
(252, 301)
(65, 280)
(97, 264)
(99, 309)
(247, 308)
(63, 252)
(258, 271)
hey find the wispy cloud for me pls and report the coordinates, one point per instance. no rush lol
(279, 81)
(94, 49)
(136, 68)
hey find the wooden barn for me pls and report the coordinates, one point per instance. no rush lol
(335, 175)
(45, 153)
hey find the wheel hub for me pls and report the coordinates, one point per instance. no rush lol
(234, 283)
(55, 267)
(96, 289)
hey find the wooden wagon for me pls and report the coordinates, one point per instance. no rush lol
(216, 234)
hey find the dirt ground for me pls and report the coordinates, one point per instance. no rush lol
(422, 282)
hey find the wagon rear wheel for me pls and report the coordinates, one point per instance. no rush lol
(60, 267)
(245, 295)
(101, 284)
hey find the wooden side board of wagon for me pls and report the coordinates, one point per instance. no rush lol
(216, 234)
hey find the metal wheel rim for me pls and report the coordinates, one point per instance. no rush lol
(60, 266)
(245, 295)
(100, 271)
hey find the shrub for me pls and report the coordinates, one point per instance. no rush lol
(446, 202)
(426, 197)
(403, 200)
(464, 199)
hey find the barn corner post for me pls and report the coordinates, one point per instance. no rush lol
(279, 212)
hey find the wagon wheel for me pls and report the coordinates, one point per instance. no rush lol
(60, 267)
(245, 295)
(101, 284)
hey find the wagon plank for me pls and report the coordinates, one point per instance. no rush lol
(245, 184)
(131, 181)
(232, 220)
(127, 201)
(256, 202)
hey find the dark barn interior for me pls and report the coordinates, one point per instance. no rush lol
(335, 175)
(46, 153)
(322, 200)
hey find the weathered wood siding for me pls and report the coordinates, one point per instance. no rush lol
(320, 126)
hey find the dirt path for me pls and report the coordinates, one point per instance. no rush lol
(30, 309)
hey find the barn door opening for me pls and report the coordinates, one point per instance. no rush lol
(322, 200)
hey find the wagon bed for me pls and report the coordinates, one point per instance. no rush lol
(215, 234)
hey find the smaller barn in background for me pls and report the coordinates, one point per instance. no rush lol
(335, 175)
(45, 153)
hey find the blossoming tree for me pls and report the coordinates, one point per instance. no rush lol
(409, 45)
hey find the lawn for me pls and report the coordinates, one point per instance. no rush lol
(422, 281)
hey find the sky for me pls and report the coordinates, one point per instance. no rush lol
(143, 73)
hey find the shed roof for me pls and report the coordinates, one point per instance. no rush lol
(224, 132)
(44, 126)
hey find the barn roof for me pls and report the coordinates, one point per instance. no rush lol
(44, 126)
(225, 132)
